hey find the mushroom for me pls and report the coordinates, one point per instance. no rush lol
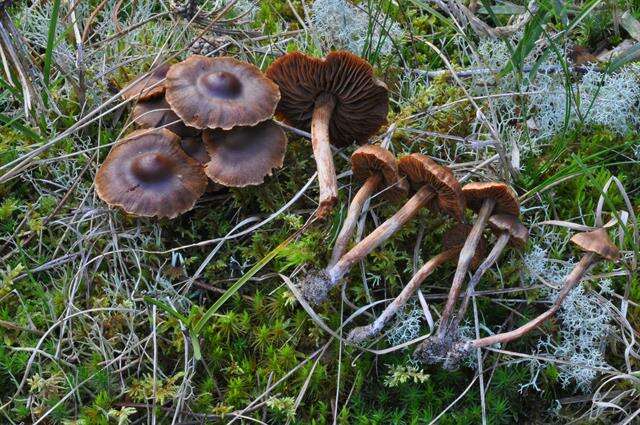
(596, 245)
(338, 99)
(220, 92)
(435, 187)
(148, 86)
(452, 243)
(156, 113)
(510, 231)
(243, 156)
(485, 198)
(377, 168)
(194, 147)
(147, 174)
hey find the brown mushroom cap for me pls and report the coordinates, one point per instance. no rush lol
(506, 200)
(597, 241)
(362, 101)
(371, 160)
(157, 113)
(194, 147)
(457, 236)
(148, 86)
(243, 156)
(422, 170)
(518, 232)
(220, 92)
(147, 174)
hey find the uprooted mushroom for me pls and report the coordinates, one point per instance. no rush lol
(452, 243)
(377, 168)
(596, 246)
(435, 187)
(338, 98)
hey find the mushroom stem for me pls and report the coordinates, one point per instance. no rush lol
(353, 213)
(321, 145)
(379, 235)
(569, 283)
(361, 333)
(493, 256)
(464, 260)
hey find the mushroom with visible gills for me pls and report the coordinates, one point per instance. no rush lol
(377, 168)
(597, 246)
(485, 198)
(243, 156)
(147, 174)
(220, 92)
(435, 187)
(452, 243)
(338, 98)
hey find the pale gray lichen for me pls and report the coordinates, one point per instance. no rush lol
(406, 325)
(340, 24)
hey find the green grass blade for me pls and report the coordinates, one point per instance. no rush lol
(53, 24)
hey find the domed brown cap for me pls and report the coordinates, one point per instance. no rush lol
(243, 156)
(422, 170)
(220, 92)
(518, 232)
(506, 199)
(147, 174)
(457, 236)
(157, 113)
(362, 101)
(597, 241)
(371, 160)
(148, 86)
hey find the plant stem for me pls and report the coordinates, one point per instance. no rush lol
(493, 256)
(353, 214)
(321, 145)
(464, 260)
(570, 282)
(379, 235)
(364, 332)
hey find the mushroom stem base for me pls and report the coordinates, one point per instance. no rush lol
(353, 214)
(321, 144)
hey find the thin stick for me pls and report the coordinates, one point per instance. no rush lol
(353, 214)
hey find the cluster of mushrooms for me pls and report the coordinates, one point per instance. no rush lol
(213, 117)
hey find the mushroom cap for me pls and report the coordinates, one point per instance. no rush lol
(147, 86)
(422, 170)
(371, 160)
(362, 101)
(147, 174)
(506, 200)
(194, 147)
(457, 236)
(243, 156)
(220, 92)
(156, 113)
(597, 241)
(518, 232)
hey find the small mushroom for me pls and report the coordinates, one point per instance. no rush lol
(377, 168)
(220, 92)
(338, 99)
(243, 156)
(596, 245)
(485, 198)
(148, 86)
(452, 243)
(147, 174)
(435, 187)
(156, 113)
(510, 231)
